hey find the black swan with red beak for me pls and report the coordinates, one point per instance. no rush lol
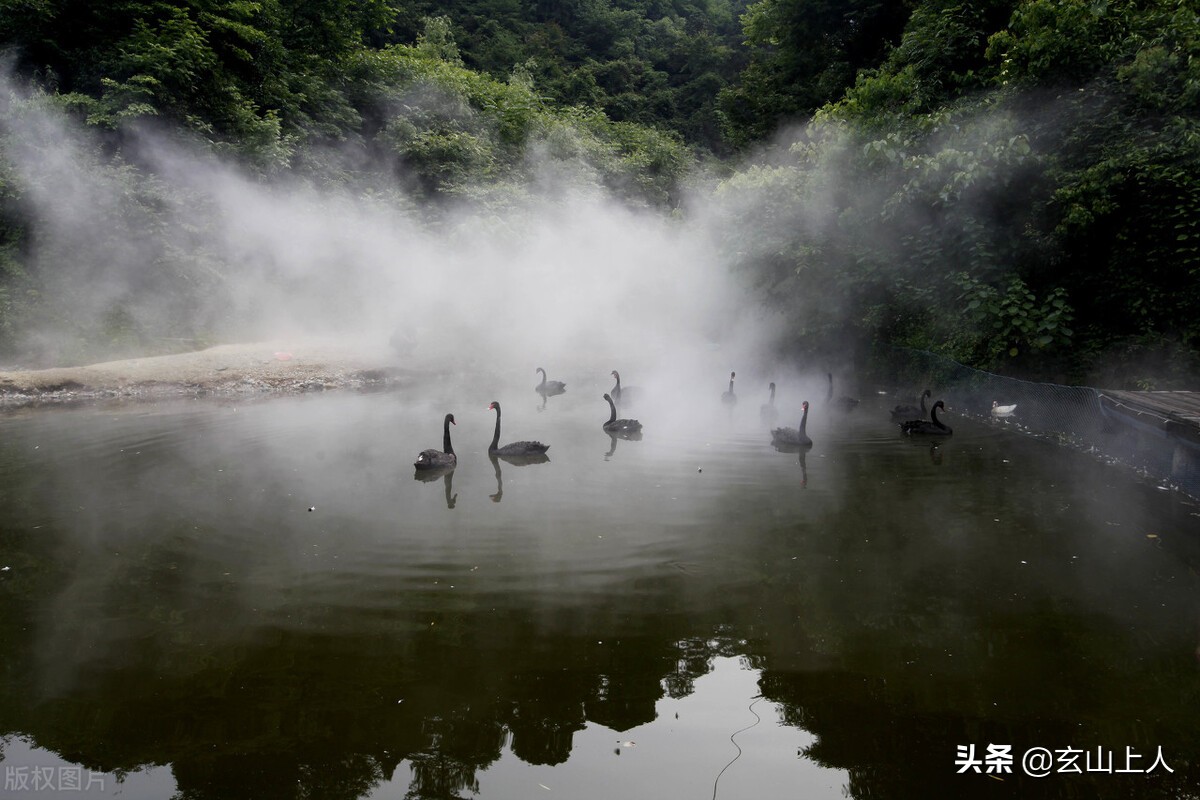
(793, 437)
(523, 448)
(439, 459)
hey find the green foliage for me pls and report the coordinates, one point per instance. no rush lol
(1004, 324)
(1048, 182)
(804, 53)
(941, 57)
(437, 41)
(1009, 154)
(458, 130)
(1034, 50)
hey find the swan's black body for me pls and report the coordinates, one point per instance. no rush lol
(729, 398)
(842, 403)
(768, 413)
(619, 426)
(906, 412)
(625, 395)
(924, 426)
(549, 387)
(524, 448)
(793, 437)
(439, 459)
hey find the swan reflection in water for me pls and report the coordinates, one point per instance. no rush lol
(516, 461)
(447, 476)
(802, 449)
(629, 436)
(767, 413)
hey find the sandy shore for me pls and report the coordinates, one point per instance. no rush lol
(227, 369)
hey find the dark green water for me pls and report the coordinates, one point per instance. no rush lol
(596, 626)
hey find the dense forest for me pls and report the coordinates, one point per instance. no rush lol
(1015, 184)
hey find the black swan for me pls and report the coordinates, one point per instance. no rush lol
(548, 387)
(729, 398)
(1002, 411)
(623, 395)
(439, 459)
(903, 412)
(619, 426)
(515, 448)
(842, 403)
(768, 413)
(793, 436)
(936, 427)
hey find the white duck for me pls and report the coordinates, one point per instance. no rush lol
(1002, 411)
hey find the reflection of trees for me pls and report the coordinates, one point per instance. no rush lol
(546, 710)
(302, 714)
(436, 775)
(891, 642)
(898, 642)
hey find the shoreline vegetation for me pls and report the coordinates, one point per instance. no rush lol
(1014, 184)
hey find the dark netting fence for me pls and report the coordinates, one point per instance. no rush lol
(1157, 433)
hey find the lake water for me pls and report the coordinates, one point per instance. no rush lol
(257, 598)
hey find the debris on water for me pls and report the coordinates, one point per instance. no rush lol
(627, 744)
(312, 508)
(698, 469)
(1151, 535)
(5, 569)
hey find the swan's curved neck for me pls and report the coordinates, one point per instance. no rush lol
(804, 421)
(496, 436)
(612, 411)
(933, 413)
(617, 386)
(772, 400)
(543, 383)
(446, 448)
(923, 408)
